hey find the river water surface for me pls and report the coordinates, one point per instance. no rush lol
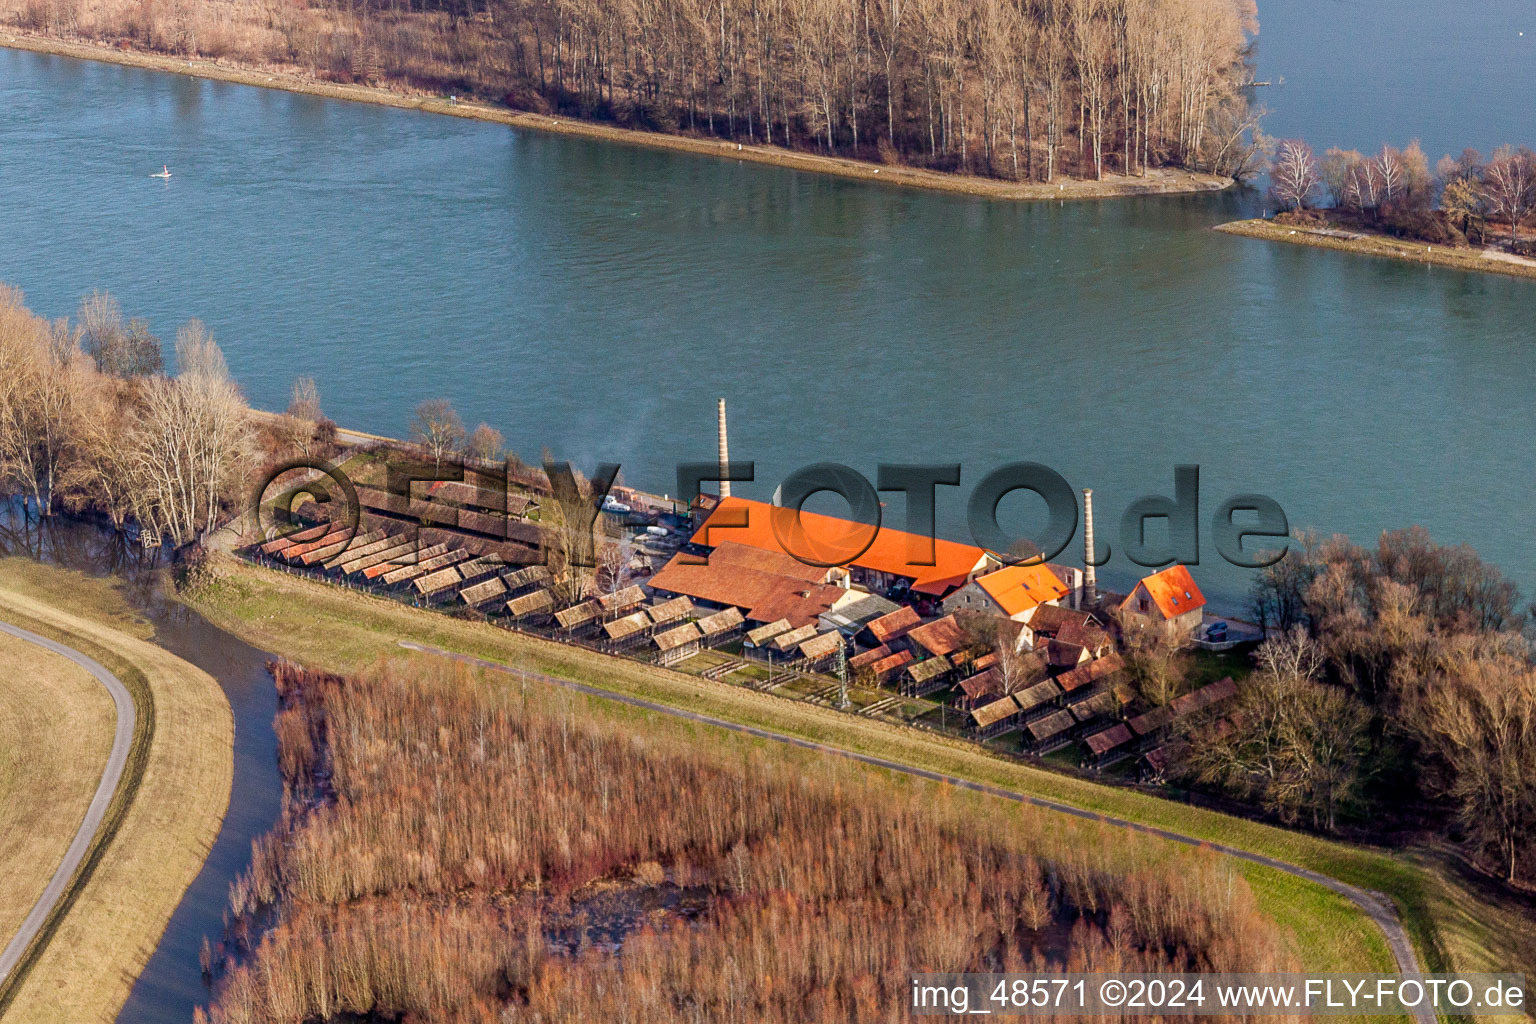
(596, 299)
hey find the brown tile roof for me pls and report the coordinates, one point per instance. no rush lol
(1144, 725)
(941, 636)
(891, 663)
(765, 584)
(895, 625)
(801, 604)
(1049, 618)
(981, 684)
(1091, 672)
(869, 657)
(1210, 693)
(1101, 743)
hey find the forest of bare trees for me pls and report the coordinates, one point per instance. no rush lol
(458, 850)
(1467, 199)
(1021, 89)
(88, 421)
(1402, 686)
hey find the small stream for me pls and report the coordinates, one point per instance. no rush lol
(171, 984)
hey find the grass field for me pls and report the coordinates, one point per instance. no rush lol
(1453, 926)
(167, 815)
(56, 725)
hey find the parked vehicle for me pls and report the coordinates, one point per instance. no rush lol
(615, 506)
(1216, 632)
(658, 531)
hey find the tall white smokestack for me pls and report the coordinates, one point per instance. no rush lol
(725, 453)
(1090, 578)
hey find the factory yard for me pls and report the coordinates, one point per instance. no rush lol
(1024, 660)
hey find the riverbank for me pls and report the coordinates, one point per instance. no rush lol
(1484, 260)
(165, 814)
(1454, 926)
(1161, 181)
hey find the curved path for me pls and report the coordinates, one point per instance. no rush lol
(117, 760)
(1375, 905)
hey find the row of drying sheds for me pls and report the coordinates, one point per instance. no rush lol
(1155, 735)
(624, 620)
(386, 560)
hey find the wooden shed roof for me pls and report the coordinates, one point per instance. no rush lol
(674, 638)
(629, 597)
(821, 646)
(437, 581)
(869, 657)
(483, 592)
(1038, 694)
(670, 611)
(762, 634)
(994, 712)
(930, 668)
(536, 603)
(629, 625)
(793, 638)
(720, 622)
(1050, 725)
(579, 615)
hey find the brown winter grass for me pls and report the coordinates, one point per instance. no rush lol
(1383, 245)
(345, 631)
(182, 766)
(1158, 181)
(451, 847)
(56, 725)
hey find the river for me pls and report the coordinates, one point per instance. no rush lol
(595, 299)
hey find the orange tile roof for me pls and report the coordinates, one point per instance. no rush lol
(1018, 588)
(1173, 591)
(828, 539)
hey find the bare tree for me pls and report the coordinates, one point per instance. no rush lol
(1157, 655)
(436, 427)
(1481, 720)
(1293, 176)
(486, 444)
(1509, 186)
(119, 349)
(1295, 744)
(46, 382)
(190, 445)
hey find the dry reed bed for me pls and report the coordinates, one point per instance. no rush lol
(435, 827)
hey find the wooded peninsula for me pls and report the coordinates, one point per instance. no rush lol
(1028, 91)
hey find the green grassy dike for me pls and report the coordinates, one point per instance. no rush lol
(1452, 927)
